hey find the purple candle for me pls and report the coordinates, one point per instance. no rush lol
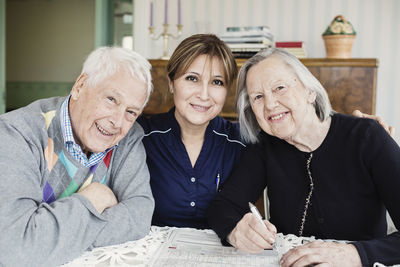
(179, 12)
(166, 12)
(151, 14)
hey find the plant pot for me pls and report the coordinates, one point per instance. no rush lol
(338, 45)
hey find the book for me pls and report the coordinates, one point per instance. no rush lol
(296, 48)
(289, 44)
(248, 28)
(243, 54)
(248, 39)
(237, 50)
(248, 31)
(300, 53)
(248, 45)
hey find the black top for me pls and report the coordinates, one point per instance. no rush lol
(356, 173)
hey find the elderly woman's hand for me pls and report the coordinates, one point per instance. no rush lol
(251, 236)
(322, 254)
(388, 128)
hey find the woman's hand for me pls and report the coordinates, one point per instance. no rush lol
(251, 235)
(388, 128)
(320, 253)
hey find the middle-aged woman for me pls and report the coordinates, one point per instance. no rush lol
(328, 175)
(190, 150)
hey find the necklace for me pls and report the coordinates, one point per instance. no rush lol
(308, 199)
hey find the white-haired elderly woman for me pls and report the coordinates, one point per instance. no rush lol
(328, 175)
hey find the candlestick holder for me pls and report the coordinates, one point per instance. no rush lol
(165, 35)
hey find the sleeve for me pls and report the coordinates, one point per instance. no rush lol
(382, 158)
(130, 219)
(245, 184)
(35, 233)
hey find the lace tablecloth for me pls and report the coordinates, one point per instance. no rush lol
(140, 252)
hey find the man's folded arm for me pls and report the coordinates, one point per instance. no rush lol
(33, 231)
(130, 219)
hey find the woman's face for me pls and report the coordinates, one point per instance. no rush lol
(280, 102)
(200, 92)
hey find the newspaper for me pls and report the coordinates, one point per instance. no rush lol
(188, 247)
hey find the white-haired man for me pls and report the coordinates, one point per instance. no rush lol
(73, 170)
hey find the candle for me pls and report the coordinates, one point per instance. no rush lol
(179, 12)
(151, 14)
(166, 12)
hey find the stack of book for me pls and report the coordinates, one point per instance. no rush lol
(296, 48)
(247, 41)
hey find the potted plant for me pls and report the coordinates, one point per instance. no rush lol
(339, 38)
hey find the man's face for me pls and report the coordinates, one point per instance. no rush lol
(102, 115)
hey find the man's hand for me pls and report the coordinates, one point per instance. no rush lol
(100, 196)
(251, 236)
(320, 253)
(388, 128)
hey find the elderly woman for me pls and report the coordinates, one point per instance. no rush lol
(328, 175)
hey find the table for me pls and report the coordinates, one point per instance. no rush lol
(140, 252)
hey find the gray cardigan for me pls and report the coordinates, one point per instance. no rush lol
(38, 232)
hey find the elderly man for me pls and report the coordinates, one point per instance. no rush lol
(73, 171)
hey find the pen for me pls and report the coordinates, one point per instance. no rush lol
(256, 213)
(217, 180)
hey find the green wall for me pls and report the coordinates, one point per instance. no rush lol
(47, 42)
(20, 94)
(2, 55)
(104, 23)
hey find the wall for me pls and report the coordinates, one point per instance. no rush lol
(377, 24)
(46, 44)
(2, 56)
(122, 21)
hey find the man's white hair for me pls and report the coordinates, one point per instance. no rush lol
(106, 61)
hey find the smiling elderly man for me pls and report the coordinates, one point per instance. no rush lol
(73, 171)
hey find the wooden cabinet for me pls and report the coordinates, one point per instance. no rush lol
(350, 83)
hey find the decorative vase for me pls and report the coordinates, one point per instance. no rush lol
(338, 46)
(339, 38)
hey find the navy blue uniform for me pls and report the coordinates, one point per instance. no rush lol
(182, 193)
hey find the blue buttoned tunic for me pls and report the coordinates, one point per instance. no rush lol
(182, 193)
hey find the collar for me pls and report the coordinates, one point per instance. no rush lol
(176, 128)
(66, 123)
